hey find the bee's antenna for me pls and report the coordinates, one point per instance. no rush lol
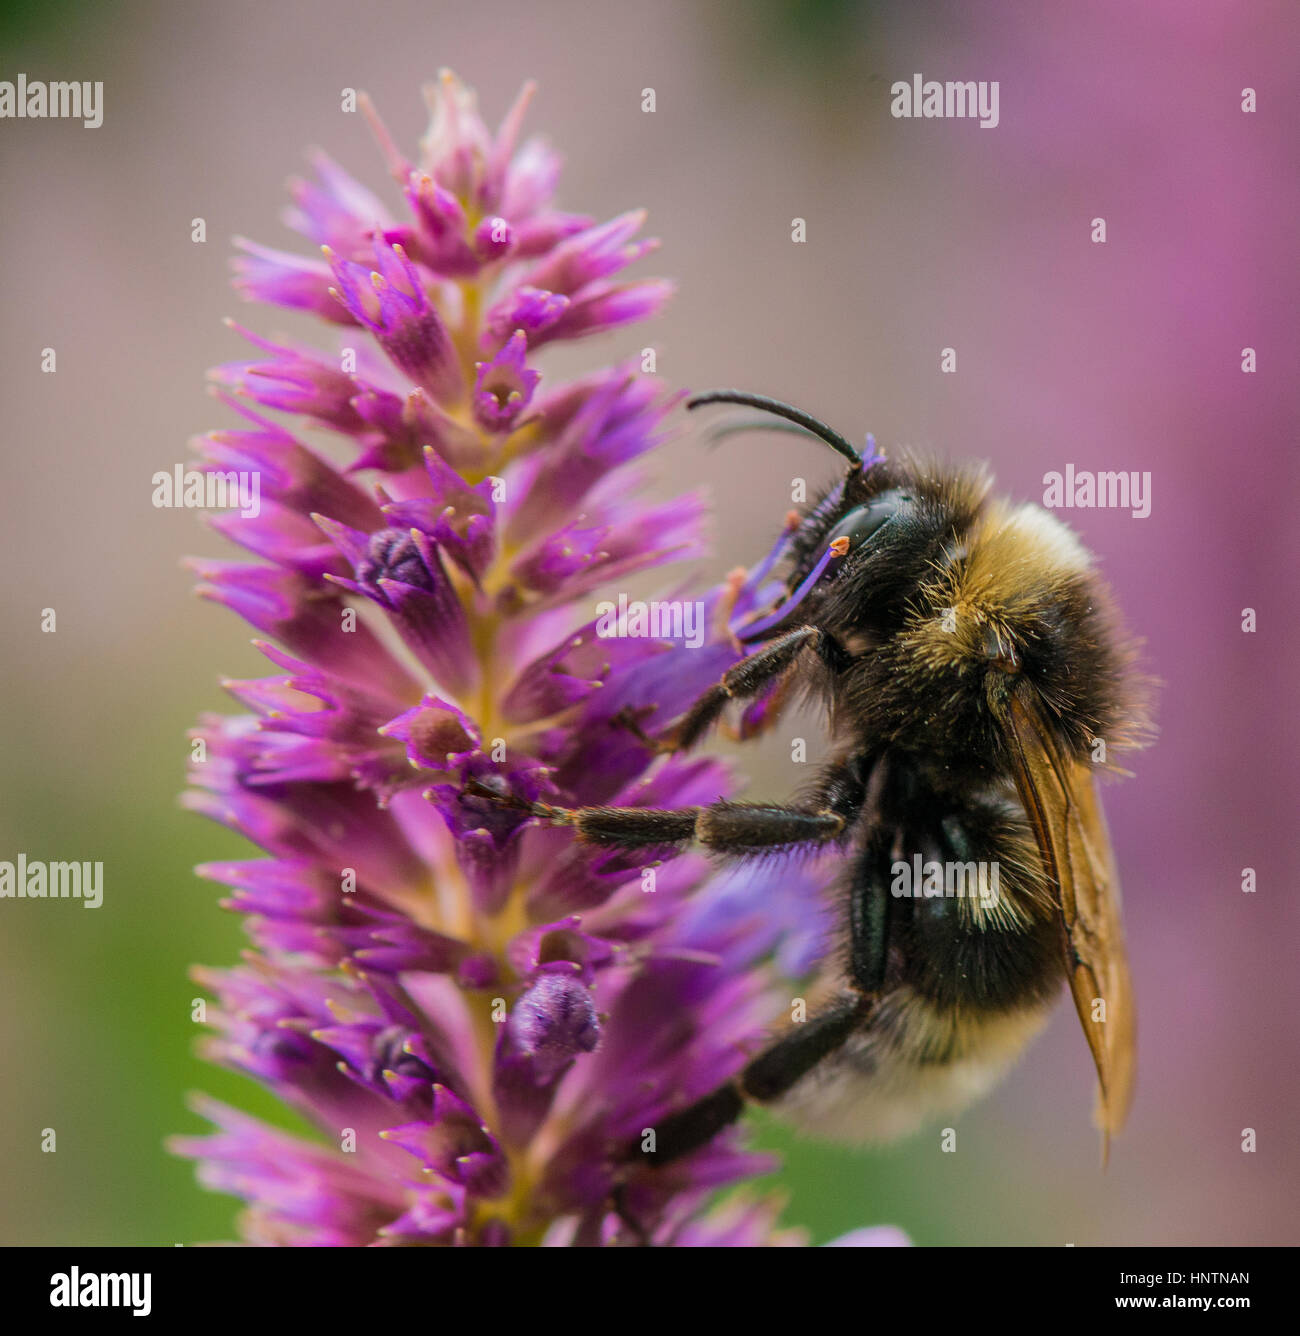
(791, 414)
(729, 426)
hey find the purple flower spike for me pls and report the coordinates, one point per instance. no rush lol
(550, 1027)
(392, 302)
(437, 735)
(438, 238)
(394, 554)
(284, 279)
(478, 1014)
(402, 571)
(456, 147)
(504, 387)
(494, 238)
(552, 1023)
(333, 210)
(532, 310)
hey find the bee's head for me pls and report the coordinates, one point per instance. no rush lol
(861, 549)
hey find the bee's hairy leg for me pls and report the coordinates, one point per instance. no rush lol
(724, 827)
(629, 720)
(694, 1126)
(871, 914)
(767, 1077)
(737, 829)
(747, 728)
(721, 827)
(618, 1203)
(744, 680)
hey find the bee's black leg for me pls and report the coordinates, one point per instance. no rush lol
(871, 907)
(692, 1127)
(618, 1202)
(737, 829)
(769, 1076)
(802, 1047)
(744, 680)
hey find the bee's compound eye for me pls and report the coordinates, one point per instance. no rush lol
(863, 521)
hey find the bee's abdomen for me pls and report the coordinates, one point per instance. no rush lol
(991, 967)
(956, 883)
(964, 960)
(889, 1079)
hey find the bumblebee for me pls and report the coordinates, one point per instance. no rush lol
(976, 679)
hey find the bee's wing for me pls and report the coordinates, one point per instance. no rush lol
(1060, 800)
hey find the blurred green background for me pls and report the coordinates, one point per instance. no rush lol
(921, 235)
